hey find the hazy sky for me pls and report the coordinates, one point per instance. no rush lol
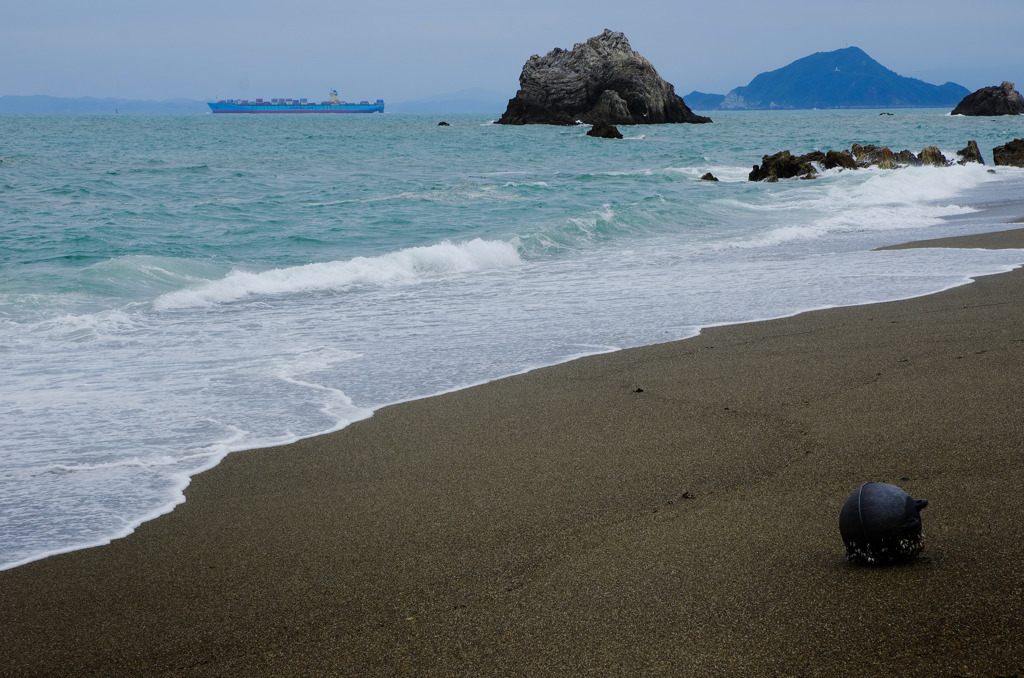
(400, 50)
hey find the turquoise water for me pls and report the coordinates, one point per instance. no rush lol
(173, 288)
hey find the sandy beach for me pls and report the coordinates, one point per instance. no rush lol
(668, 510)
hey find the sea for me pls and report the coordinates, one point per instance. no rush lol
(175, 288)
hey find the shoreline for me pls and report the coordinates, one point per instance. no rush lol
(1011, 238)
(652, 510)
(1002, 239)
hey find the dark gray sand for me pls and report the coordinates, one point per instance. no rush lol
(1009, 239)
(669, 510)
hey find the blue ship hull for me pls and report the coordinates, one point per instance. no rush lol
(294, 106)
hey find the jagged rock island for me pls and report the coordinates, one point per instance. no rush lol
(600, 80)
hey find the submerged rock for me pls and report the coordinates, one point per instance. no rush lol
(603, 130)
(600, 80)
(1001, 100)
(1010, 154)
(709, 177)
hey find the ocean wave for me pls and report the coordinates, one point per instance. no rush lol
(76, 328)
(148, 273)
(405, 266)
(866, 200)
(580, 232)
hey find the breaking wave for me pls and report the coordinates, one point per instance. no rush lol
(395, 268)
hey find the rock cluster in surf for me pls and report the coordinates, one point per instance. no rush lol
(1001, 100)
(785, 165)
(600, 80)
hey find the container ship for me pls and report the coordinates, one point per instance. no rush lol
(332, 105)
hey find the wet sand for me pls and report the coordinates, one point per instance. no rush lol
(1008, 239)
(668, 510)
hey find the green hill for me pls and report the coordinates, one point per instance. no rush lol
(845, 78)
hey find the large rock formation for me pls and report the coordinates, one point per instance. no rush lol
(1011, 153)
(1002, 100)
(600, 80)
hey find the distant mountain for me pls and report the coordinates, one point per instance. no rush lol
(845, 78)
(48, 104)
(479, 101)
(701, 101)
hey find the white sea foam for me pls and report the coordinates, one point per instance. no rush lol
(532, 184)
(88, 326)
(870, 200)
(130, 462)
(724, 173)
(396, 268)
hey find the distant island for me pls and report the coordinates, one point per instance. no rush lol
(844, 78)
